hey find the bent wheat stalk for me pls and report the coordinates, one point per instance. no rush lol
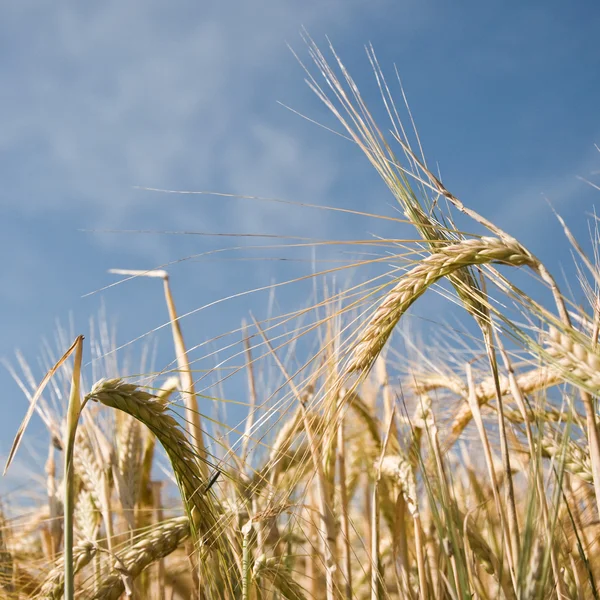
(118, 394)
(200, 505)
(442, 263)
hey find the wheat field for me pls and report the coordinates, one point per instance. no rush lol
(366, 465)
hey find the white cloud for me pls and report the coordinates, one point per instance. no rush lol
(119, 95)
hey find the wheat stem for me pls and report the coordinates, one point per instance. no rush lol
(74, 409)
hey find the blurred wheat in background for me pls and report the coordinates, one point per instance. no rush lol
(368, 465)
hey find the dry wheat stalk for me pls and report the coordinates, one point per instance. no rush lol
(442, 263)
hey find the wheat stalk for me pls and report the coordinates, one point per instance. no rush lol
(200, 505)
(143, 406)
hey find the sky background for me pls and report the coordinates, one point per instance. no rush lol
(99, 98)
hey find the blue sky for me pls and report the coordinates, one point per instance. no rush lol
(98, 99)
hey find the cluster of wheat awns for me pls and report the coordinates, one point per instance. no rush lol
(356, 476)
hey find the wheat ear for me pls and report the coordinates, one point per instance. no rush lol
(192, 414)
(127, 466)
(442, 263)
(529, 383)
(53, 585)
(273, 570)
(143, 406)
(200, 505)
(577, 363)
(162, 541)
